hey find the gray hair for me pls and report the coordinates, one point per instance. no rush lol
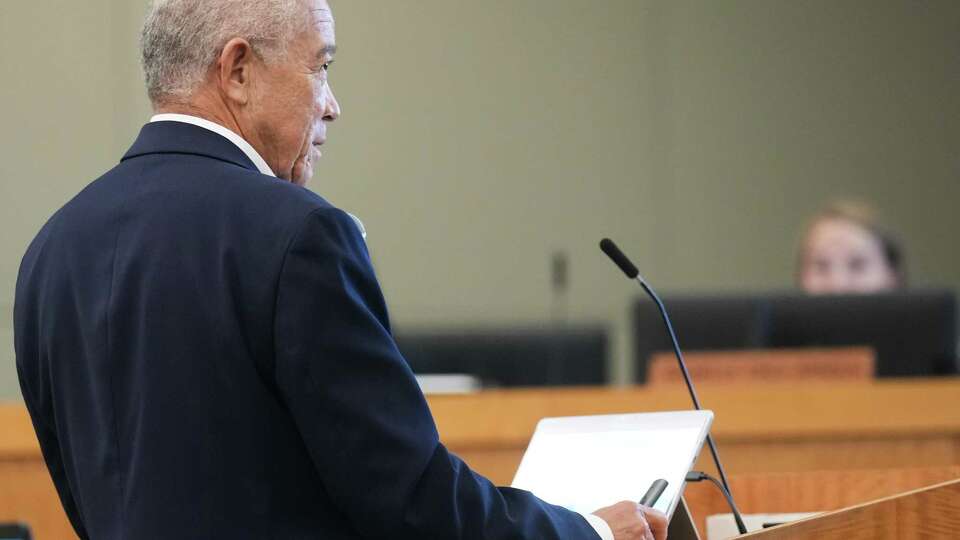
(181, 39)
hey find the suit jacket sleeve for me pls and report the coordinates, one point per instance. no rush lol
(40, 414)
(362, 415)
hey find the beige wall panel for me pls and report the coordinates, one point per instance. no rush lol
(479, 137)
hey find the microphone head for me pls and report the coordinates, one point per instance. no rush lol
(619, 258)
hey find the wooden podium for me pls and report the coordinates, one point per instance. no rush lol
(904, 503)
(926, 513)
(932, 512)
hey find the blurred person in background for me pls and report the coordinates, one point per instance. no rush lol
(845, 251)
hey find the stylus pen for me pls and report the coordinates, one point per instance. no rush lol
(653, 494)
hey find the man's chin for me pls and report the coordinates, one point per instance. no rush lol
(301, 173)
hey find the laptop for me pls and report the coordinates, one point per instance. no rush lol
(585, 463)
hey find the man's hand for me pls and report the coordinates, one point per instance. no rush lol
(630, 521)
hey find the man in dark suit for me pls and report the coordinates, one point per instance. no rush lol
(202, 343)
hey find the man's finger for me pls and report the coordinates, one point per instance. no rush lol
(656, 521)
(646, 533)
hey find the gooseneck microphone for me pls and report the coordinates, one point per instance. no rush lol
(628, 268)
(631, 271)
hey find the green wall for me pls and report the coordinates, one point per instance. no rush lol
(477, 138)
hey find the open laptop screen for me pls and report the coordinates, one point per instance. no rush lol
(585, 463)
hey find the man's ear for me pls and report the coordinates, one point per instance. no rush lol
(235, 66)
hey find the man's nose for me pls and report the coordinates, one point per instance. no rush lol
(331, 108)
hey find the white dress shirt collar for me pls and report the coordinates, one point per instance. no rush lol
(239, 141)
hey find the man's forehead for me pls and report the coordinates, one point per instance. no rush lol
(323, 21)
(323, 14)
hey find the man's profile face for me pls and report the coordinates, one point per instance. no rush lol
(294, 101)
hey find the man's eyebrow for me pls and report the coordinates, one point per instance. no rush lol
(327, 49)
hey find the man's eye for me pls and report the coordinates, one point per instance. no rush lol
(325, 67)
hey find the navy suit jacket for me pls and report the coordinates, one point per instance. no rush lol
(205, 353)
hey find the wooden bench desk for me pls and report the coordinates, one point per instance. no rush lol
(769, 428)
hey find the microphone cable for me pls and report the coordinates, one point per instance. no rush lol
(698, 476)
